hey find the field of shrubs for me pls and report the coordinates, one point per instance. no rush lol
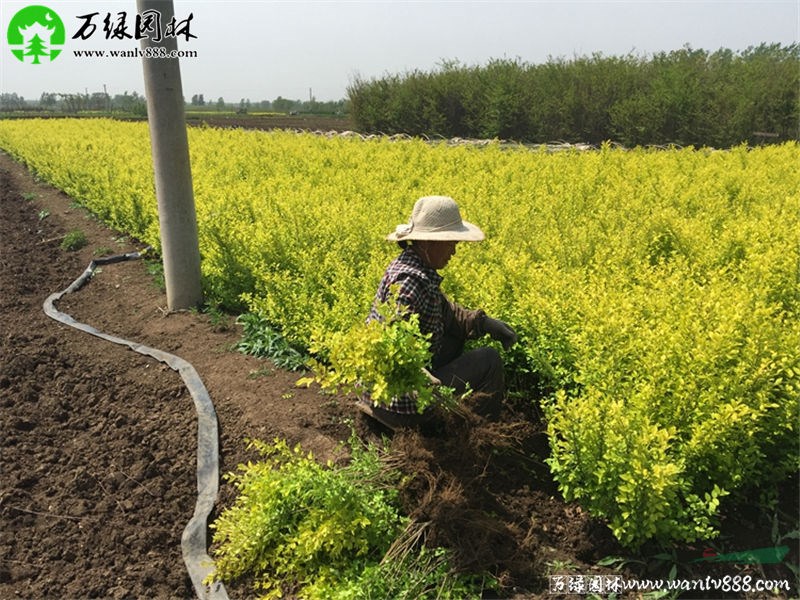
(656, 293)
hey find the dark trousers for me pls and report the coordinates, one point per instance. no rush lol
(480, 369)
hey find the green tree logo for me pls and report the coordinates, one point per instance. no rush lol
(35, 35)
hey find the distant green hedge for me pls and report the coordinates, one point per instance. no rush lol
(684, 97)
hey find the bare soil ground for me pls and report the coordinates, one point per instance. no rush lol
(98, 442)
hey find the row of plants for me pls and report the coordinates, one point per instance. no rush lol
(655, 293)
(682, 97)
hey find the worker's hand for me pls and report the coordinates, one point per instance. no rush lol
(500, 331)
(433, 380)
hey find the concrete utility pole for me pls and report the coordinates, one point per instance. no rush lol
(173, 175)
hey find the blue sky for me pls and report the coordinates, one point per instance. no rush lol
(260, 49)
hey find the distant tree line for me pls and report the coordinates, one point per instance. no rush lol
(76, 102)
(684, 97)
(135, 104)
(279, 104)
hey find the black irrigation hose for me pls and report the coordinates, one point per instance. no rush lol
(193, 540)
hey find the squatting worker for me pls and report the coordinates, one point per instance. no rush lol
(428, 241)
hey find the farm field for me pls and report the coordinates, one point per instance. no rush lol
(733, 301)
(91, 431)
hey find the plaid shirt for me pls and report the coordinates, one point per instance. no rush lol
(418, 289)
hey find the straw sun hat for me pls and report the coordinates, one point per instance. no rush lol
(436, 218)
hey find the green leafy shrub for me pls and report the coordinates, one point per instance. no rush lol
(259, 338)
(326, 532)
(681, 400)
(74, 240)
(155, 268)
(297, 522)
(384, 358)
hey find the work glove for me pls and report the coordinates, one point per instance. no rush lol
(431, 377)
(499, 331)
